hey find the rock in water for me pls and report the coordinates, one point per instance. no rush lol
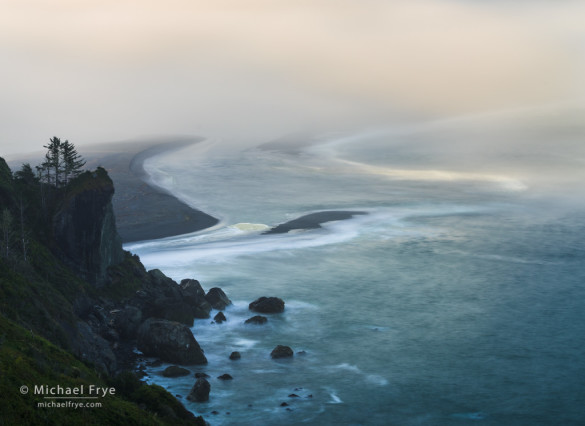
(281, 352)
(217, 299)
(170, 341)
(219, 318)
(200, 391)
(235, 355)
(267, 305)
(192, 291)
(175, 371)
(258, 319)
(225, 377)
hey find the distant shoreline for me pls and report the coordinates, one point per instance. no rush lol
(144, 211)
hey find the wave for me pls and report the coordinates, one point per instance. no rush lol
(374, 379)
(229, 242)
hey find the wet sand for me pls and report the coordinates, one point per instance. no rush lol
(144, 211)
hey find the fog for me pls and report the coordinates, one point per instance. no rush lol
(250, 71)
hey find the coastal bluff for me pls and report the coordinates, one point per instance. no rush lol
(72, 302)
(84, 227)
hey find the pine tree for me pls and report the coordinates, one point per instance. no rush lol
(52, 164)
(62, 163)
(72, 161)
(26, 174)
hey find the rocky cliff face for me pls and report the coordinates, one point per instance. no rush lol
(84, 227)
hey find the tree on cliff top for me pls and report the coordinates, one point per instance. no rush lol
(62, 162)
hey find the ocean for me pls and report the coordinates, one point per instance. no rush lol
(457, 299)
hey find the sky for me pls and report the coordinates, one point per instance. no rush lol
(250, 71)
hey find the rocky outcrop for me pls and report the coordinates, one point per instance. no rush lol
(267, 305)
(194, 295)
(170, 341)
(91, 347)
(127, 321)
(200, 391)
(217, 299)
(281, 352)
(84, 228)
(161, 297)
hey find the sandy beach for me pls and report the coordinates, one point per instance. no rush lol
(143, 211)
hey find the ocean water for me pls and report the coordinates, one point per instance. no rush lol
(459, 298)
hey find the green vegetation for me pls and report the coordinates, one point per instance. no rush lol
(40, 297)
(29, 360)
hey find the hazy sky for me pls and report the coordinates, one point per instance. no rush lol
(104, 70)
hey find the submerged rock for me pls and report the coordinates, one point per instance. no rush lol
(170, 341)
(225, 377)
(175, 371)
(200, 391)
(258, 319)
(235, 355)
(267, 305)
(201, 375)
(217, 299)
(281, 352)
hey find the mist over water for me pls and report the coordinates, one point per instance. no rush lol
(457, 126)
(457, 298)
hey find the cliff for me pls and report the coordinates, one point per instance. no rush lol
(84, 227)
(71, 301)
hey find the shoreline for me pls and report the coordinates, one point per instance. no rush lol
(144, 211)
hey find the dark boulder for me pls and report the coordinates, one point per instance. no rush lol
(202, 310)
(192, 291)
(281, 352)
(267, 305)
(219, 318)
(161, 297)
(200, 391)
(194, 296)
(127, 321)
(170, 341)
(258, 319)
(201, 375)
(225, 377)
(93, 348)
(235, 355)
(217, 299)
(175, 371)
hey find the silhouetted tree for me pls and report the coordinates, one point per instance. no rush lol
(62, 163)
(26, 175)
(72, 161)
(52, 164)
